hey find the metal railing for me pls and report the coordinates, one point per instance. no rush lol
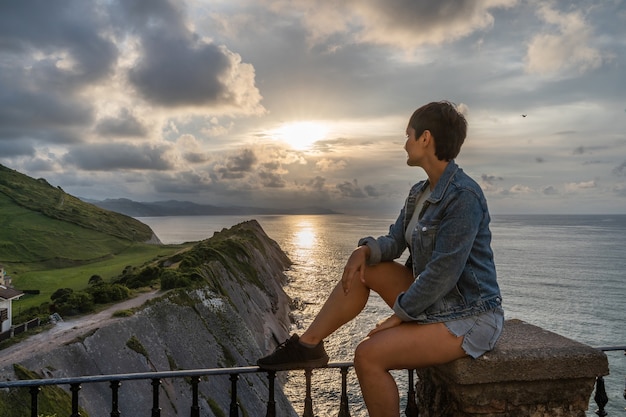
(600, 397)
(195, 375)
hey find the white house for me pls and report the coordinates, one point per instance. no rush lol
(7, 295)
(3, 274)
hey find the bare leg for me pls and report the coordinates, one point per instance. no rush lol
(407, 346)
(388, 279)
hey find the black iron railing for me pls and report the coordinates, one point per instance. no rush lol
(600, 397)
(195, 375)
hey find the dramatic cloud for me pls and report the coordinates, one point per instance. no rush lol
(237, 166)
(163, 99)
(113, 156)
(125, 124)
(351, 189)
(568, 48)
(403, 24)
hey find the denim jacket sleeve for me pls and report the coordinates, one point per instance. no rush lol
(388, 247)
(454, 235)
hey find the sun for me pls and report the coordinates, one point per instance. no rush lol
(301, 135)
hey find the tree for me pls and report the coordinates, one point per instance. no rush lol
(95, 280)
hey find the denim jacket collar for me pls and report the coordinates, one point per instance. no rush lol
(435, 196)
(444, 181)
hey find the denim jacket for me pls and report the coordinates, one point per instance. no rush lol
(450, 251)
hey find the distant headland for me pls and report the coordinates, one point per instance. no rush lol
(187, 208)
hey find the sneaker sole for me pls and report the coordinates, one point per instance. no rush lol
(318, 363)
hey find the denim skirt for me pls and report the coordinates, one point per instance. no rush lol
(480, 333)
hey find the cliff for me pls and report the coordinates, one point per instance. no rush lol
(232, 320)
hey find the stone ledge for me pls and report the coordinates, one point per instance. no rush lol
(528, 353)
(531, 373)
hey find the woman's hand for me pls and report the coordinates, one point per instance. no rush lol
(355, 268)
(385, 324)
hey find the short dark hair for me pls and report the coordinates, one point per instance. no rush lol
(447, 125)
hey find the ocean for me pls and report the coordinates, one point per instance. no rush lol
(564, 273)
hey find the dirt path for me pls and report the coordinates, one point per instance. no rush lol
(68, 330)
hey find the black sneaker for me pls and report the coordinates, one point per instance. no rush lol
(292, 355)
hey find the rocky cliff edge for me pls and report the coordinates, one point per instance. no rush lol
(230, 322)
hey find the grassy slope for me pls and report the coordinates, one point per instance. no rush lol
(53, 203)
(77, 278)
(30, 237)
(50, 239)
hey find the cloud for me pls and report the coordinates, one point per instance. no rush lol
(568, 49)
(237, 166)
(169, 99)
(490, 178)
(402, 24)
(73, 68)
(113, 156)
(125, 124)
(57, 41)
(520, 189)
(13, 148)
(192, 150)
(371, 191)
(43, 115)
(577, 186)
(351, 189)
(173, 73)
(549, 190)
(620, 170)
(182, 182)
(174, 66)
(271, 179)
(317, 183)
(328, 164)
(620, 190)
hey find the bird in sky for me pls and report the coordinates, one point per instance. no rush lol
(524, 115)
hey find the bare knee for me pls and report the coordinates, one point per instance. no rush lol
(364, 357)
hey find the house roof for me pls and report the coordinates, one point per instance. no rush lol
(9, 293)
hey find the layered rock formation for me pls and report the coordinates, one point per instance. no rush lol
(233, 320)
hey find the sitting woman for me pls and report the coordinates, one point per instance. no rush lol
(446, 301)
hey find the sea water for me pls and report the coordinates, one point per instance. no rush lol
(564, 273)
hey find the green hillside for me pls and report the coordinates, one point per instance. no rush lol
(54, 203)
(41, 224)
(50, 239)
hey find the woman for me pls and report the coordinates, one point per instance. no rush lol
(446, 301)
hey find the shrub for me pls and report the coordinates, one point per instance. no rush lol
(95, 279)
(61, 294)
(108, 293)
(174, 279)
(147, 276)
(76, 303)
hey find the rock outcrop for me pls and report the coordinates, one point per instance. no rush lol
(238, 316)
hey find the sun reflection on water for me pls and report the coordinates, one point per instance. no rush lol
(304, 237)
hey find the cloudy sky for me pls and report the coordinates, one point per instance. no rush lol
(290, 103)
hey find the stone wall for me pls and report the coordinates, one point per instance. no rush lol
(531, 373)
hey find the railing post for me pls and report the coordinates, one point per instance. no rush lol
(600, 397)
(234, 407)
(115, 385)
(74, 388)
(344, 410)
(34, 391)
(411, 404)
(308, 402)
(156, 410)
(195, 409)
(271, 403)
